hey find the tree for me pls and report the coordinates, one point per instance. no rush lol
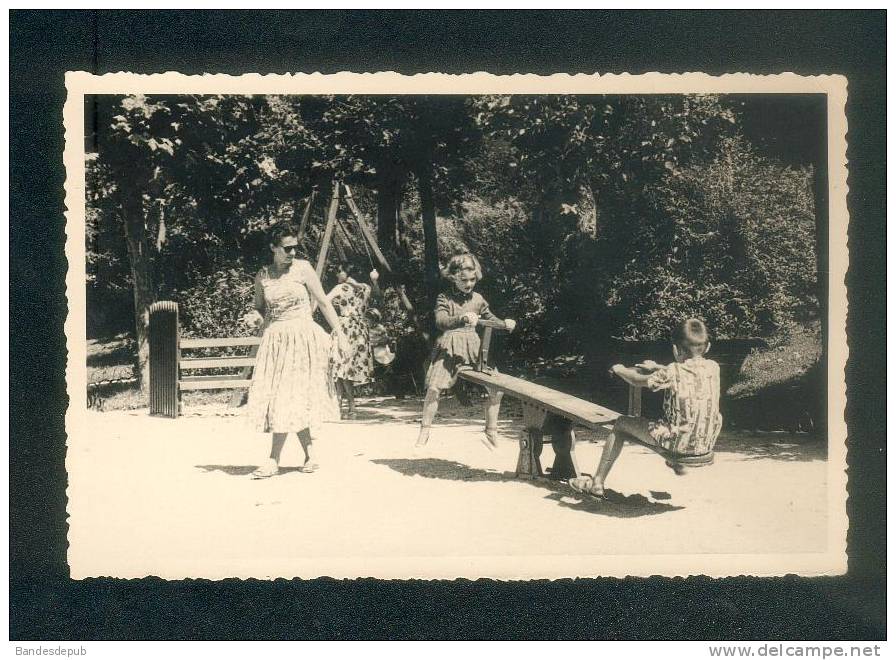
(194, 174)
(567, 147)
(732, 241)
(131, 153)
(582, 165)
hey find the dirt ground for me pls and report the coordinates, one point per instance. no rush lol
(154, 496)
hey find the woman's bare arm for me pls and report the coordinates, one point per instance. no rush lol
(317, 292)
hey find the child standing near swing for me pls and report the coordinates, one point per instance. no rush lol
(457, 312)
(691, 421)
(350, 299)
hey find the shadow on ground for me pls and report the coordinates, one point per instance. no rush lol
(243, 470)
(778, 447)
(613, 504)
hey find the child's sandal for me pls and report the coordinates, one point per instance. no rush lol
(585, 485)
(677, 467)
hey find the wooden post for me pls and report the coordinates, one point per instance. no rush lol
(365, 230)
(564, 442)
(164, 359)
(634, 401)
(328, 231)
(487, 325)
(368, 237)
(483, 349)
(529, 463)
(303, 227)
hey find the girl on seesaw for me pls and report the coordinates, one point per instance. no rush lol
(457, 312)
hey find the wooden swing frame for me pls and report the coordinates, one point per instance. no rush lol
(333, 223)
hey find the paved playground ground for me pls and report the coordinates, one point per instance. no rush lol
(155, 496)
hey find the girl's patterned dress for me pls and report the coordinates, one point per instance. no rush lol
(692, 420)
(458, 345)
(350, 303)
(292, 386)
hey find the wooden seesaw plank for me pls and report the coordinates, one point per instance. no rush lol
(573, 408)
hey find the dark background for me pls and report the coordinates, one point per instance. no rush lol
(46, 604)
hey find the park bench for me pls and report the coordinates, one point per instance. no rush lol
(546, 412)
(173, 367)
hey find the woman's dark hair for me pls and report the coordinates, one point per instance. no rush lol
(279, 231)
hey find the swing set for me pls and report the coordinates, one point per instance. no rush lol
(333, 226)
(336, 225)
(171, 372)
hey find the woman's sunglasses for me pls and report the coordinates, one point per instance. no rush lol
(289, 248)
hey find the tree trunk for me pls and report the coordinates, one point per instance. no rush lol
(430, 235)
(387, 202)
(144, 288)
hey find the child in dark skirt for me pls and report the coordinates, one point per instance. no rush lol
(457, 312)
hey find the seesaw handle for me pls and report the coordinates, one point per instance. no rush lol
(488, 325)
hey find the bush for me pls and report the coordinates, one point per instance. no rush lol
(213, 305)
(517, 279)
(517, 274)
(731, 241)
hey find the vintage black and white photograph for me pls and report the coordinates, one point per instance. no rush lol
(455, 326)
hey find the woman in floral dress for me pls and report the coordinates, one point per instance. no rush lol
(355, 366)
(292, 387)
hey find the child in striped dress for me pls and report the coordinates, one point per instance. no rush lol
(691, 421)
(457, 312)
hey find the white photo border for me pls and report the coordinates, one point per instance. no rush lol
(833, 561)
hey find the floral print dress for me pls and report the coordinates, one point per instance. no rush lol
(350, 303)
(691, 422)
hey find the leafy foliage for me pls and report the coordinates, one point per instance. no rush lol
(731, 241)
(594, 216)
(213, 305)
(563, 144)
